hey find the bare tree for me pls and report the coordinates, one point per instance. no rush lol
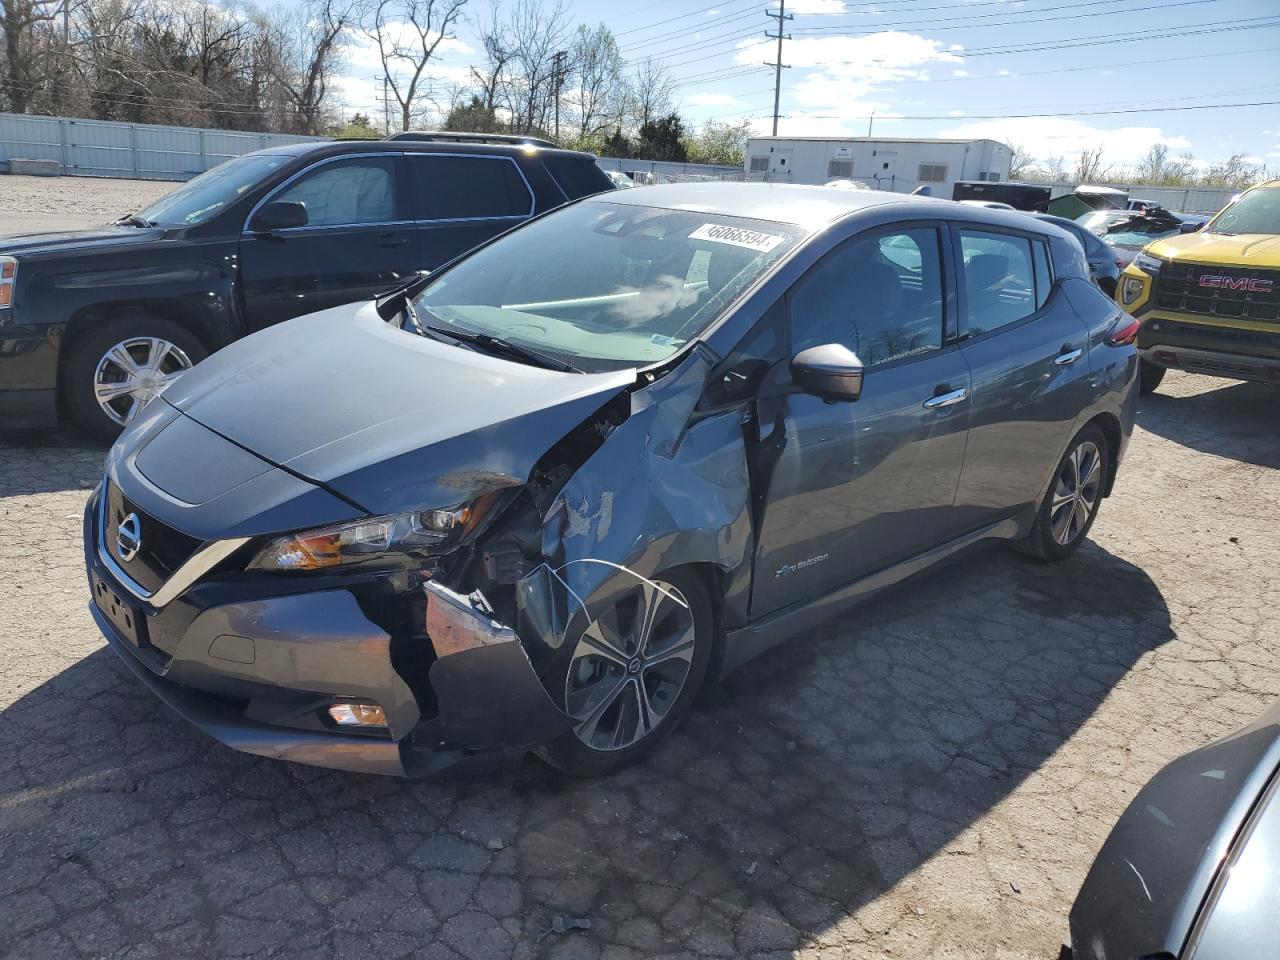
(651, 92)
(1021, 162)
(597, 92)
(22, 22)
(1089, 166)
(408, 33)
(536, 32)
(310, 39)
(491, 76)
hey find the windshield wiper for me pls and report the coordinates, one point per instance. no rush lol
(133, 220)
(498, 345)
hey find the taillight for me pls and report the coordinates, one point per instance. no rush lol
(8, 273)
(1123, 332)
(1120, 262)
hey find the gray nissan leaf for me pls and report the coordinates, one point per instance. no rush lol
(533, 500)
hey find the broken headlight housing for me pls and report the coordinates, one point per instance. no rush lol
(420, 532)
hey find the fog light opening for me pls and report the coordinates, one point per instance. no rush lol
(358, 715)
(1167, 358)
(1131, 290)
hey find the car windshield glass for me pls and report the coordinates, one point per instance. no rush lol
(203, 198)
(1258, 211)
(1137, 239)
(606, 285)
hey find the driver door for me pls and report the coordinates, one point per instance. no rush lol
(858, 486)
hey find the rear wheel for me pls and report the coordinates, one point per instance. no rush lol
(1071, 503)
(1149, 377)
(633, 675)
(113, 371)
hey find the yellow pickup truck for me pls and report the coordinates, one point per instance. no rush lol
(1209, 301)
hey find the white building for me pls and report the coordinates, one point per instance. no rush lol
(898, 165)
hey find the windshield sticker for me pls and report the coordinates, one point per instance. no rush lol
(736, 236)
(662, 341)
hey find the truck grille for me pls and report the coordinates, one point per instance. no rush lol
(163, 549)
(1183, 287)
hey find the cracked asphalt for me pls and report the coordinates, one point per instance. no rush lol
(929, 777)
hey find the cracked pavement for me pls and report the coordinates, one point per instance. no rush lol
(928, 777)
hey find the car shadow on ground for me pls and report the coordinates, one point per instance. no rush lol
(802, 789)
(1232, 419)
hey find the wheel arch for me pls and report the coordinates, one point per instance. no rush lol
(1109, 424)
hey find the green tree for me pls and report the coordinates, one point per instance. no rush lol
(663, 139)
(473, 117)
(359, 127)
(720, 143)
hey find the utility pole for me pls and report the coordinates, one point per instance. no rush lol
(386, 107)
(869, 123)
(557, 66)
(778, 65)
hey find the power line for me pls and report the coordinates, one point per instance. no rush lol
(683, 16)
(683, 32)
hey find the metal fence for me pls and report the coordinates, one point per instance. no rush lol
(136, 151)
(662, 171)
(1179, 199)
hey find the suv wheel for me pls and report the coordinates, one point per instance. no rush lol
(633, 675)
(1149, 377)
(113, 371)
(1071, 503)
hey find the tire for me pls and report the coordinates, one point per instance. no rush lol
(1149, 377)
(1056, 534)
(610, 667)
(98, 366)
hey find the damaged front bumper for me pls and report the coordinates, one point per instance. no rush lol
(258, 675)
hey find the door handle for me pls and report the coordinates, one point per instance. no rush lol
(1071, 356)
(947, 399)
(391, 240)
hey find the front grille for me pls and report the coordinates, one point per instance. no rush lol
(163, 549)
(1218, 291)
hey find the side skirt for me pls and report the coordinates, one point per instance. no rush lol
(747, 643)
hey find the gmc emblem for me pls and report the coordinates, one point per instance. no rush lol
(1251, 284)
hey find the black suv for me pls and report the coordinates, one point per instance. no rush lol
(95, 323)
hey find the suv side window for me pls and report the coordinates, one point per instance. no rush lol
(345, 192)
(577, 176)
(457, 187)
(880, 295)
(999, 280)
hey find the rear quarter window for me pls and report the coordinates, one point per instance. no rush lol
(468, 188)
(577, 176)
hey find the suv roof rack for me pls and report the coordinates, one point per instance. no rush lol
(446, 136)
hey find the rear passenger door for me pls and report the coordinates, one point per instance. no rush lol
(358, 241)
(1028, 353)
(462, 200)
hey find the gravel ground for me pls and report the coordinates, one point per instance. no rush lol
(928, 778)
(30, 204)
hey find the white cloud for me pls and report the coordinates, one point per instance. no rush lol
(959, 73)
(1003, 73)
(1066, 137)
(955, 113)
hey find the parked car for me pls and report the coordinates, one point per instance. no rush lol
(1098, 222)
(620, 179)
(1209, 300)
(1104, 264)
(96, 322)
(1192, 869)
(533, 500)
(1128, 237)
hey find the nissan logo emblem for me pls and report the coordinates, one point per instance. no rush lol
(129, 537)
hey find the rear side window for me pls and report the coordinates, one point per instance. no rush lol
(1044, 277)
(469, 188)
(878, 295)
(999, 280)
(346, 192)
(577, 176)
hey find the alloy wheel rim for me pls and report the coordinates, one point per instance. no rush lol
(133, 372)
(1075, 493)
(629, 666)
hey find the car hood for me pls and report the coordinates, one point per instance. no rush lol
(386, 419)
(1241, 250)
(75, 241)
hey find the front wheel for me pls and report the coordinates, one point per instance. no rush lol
(1149, 377)
(1071, 503)
(113, 371)
(633, 674)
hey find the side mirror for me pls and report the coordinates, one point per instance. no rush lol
(831, 371)
(1188, 227)
(279, 215)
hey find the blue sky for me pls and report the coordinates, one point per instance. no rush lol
(954, 63)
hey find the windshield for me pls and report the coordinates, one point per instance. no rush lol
(204, 197)
(1258, 211)
(606, 285)
(1137, 239)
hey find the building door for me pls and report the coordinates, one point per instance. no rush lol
(780, 163)
(885, 169)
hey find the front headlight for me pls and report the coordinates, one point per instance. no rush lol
(1147, 263)
(356, 540)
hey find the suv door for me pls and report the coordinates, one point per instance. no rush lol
(858, 486)
(357, 241)
(1027, 349)
(462, 200)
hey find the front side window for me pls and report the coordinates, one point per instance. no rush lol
(607, 285)
(999, 280)
(202, 198)
(469, 188)
(346, 192)
(878, 295)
